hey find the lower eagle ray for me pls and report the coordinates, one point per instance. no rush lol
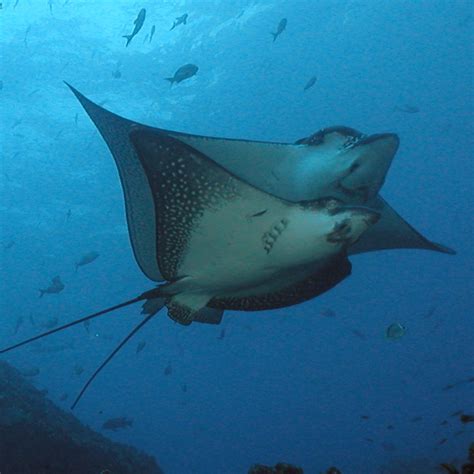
(243, 225)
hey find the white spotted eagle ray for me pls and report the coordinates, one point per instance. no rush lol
(246, 225)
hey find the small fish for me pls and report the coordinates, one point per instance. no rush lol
(152, 33)
(184, 72)
(145, 39)
(442, 441)
(430, 312)
(456, 413)
(416, 419)
(168, 369)
(78, 370)
(370, 440)
(25, 38)
(444, 423)
(280, 29)
(33, 372)
(16, 123)
(76, 118)
(389, 447)
(310, 83)
(364, 417)
(395, 331)
(117, 74)
(50, 3)
(140, 346)
(184, 388)
(359, 334)
(87, 258)
(68, 214)
(138, 26)
(1, 85)
(87, 325)
(407, 109)
(63, 397)
(49, 323)
(467, 418)
(222, 334)
(114, 424)
(450, 386)
(180, 20)
(56, 287)
(257, 214)
(390, 427)
(18, 324)
(328, 313)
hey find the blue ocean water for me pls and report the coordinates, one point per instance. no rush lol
(295, 384)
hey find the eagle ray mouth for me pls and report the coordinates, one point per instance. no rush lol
(362, 192)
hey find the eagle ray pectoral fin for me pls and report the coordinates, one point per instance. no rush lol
(184, 306)
(393, 232)
(209, 315)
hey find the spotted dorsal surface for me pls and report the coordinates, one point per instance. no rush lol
(218, 236)
(336, 161)
(188, 187)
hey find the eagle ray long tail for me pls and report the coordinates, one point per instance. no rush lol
(110, 357)
(143, 296)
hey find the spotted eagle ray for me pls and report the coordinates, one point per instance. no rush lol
(246, 225)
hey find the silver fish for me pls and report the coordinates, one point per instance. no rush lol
(310, 83)
(114, 424)
(395, 331)
(184, 72)
(180, 20)
(87, 258)
(280, 29)
(56, 287)
(138, 26)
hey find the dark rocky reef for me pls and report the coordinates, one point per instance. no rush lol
(280, 468)
(37, 437)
